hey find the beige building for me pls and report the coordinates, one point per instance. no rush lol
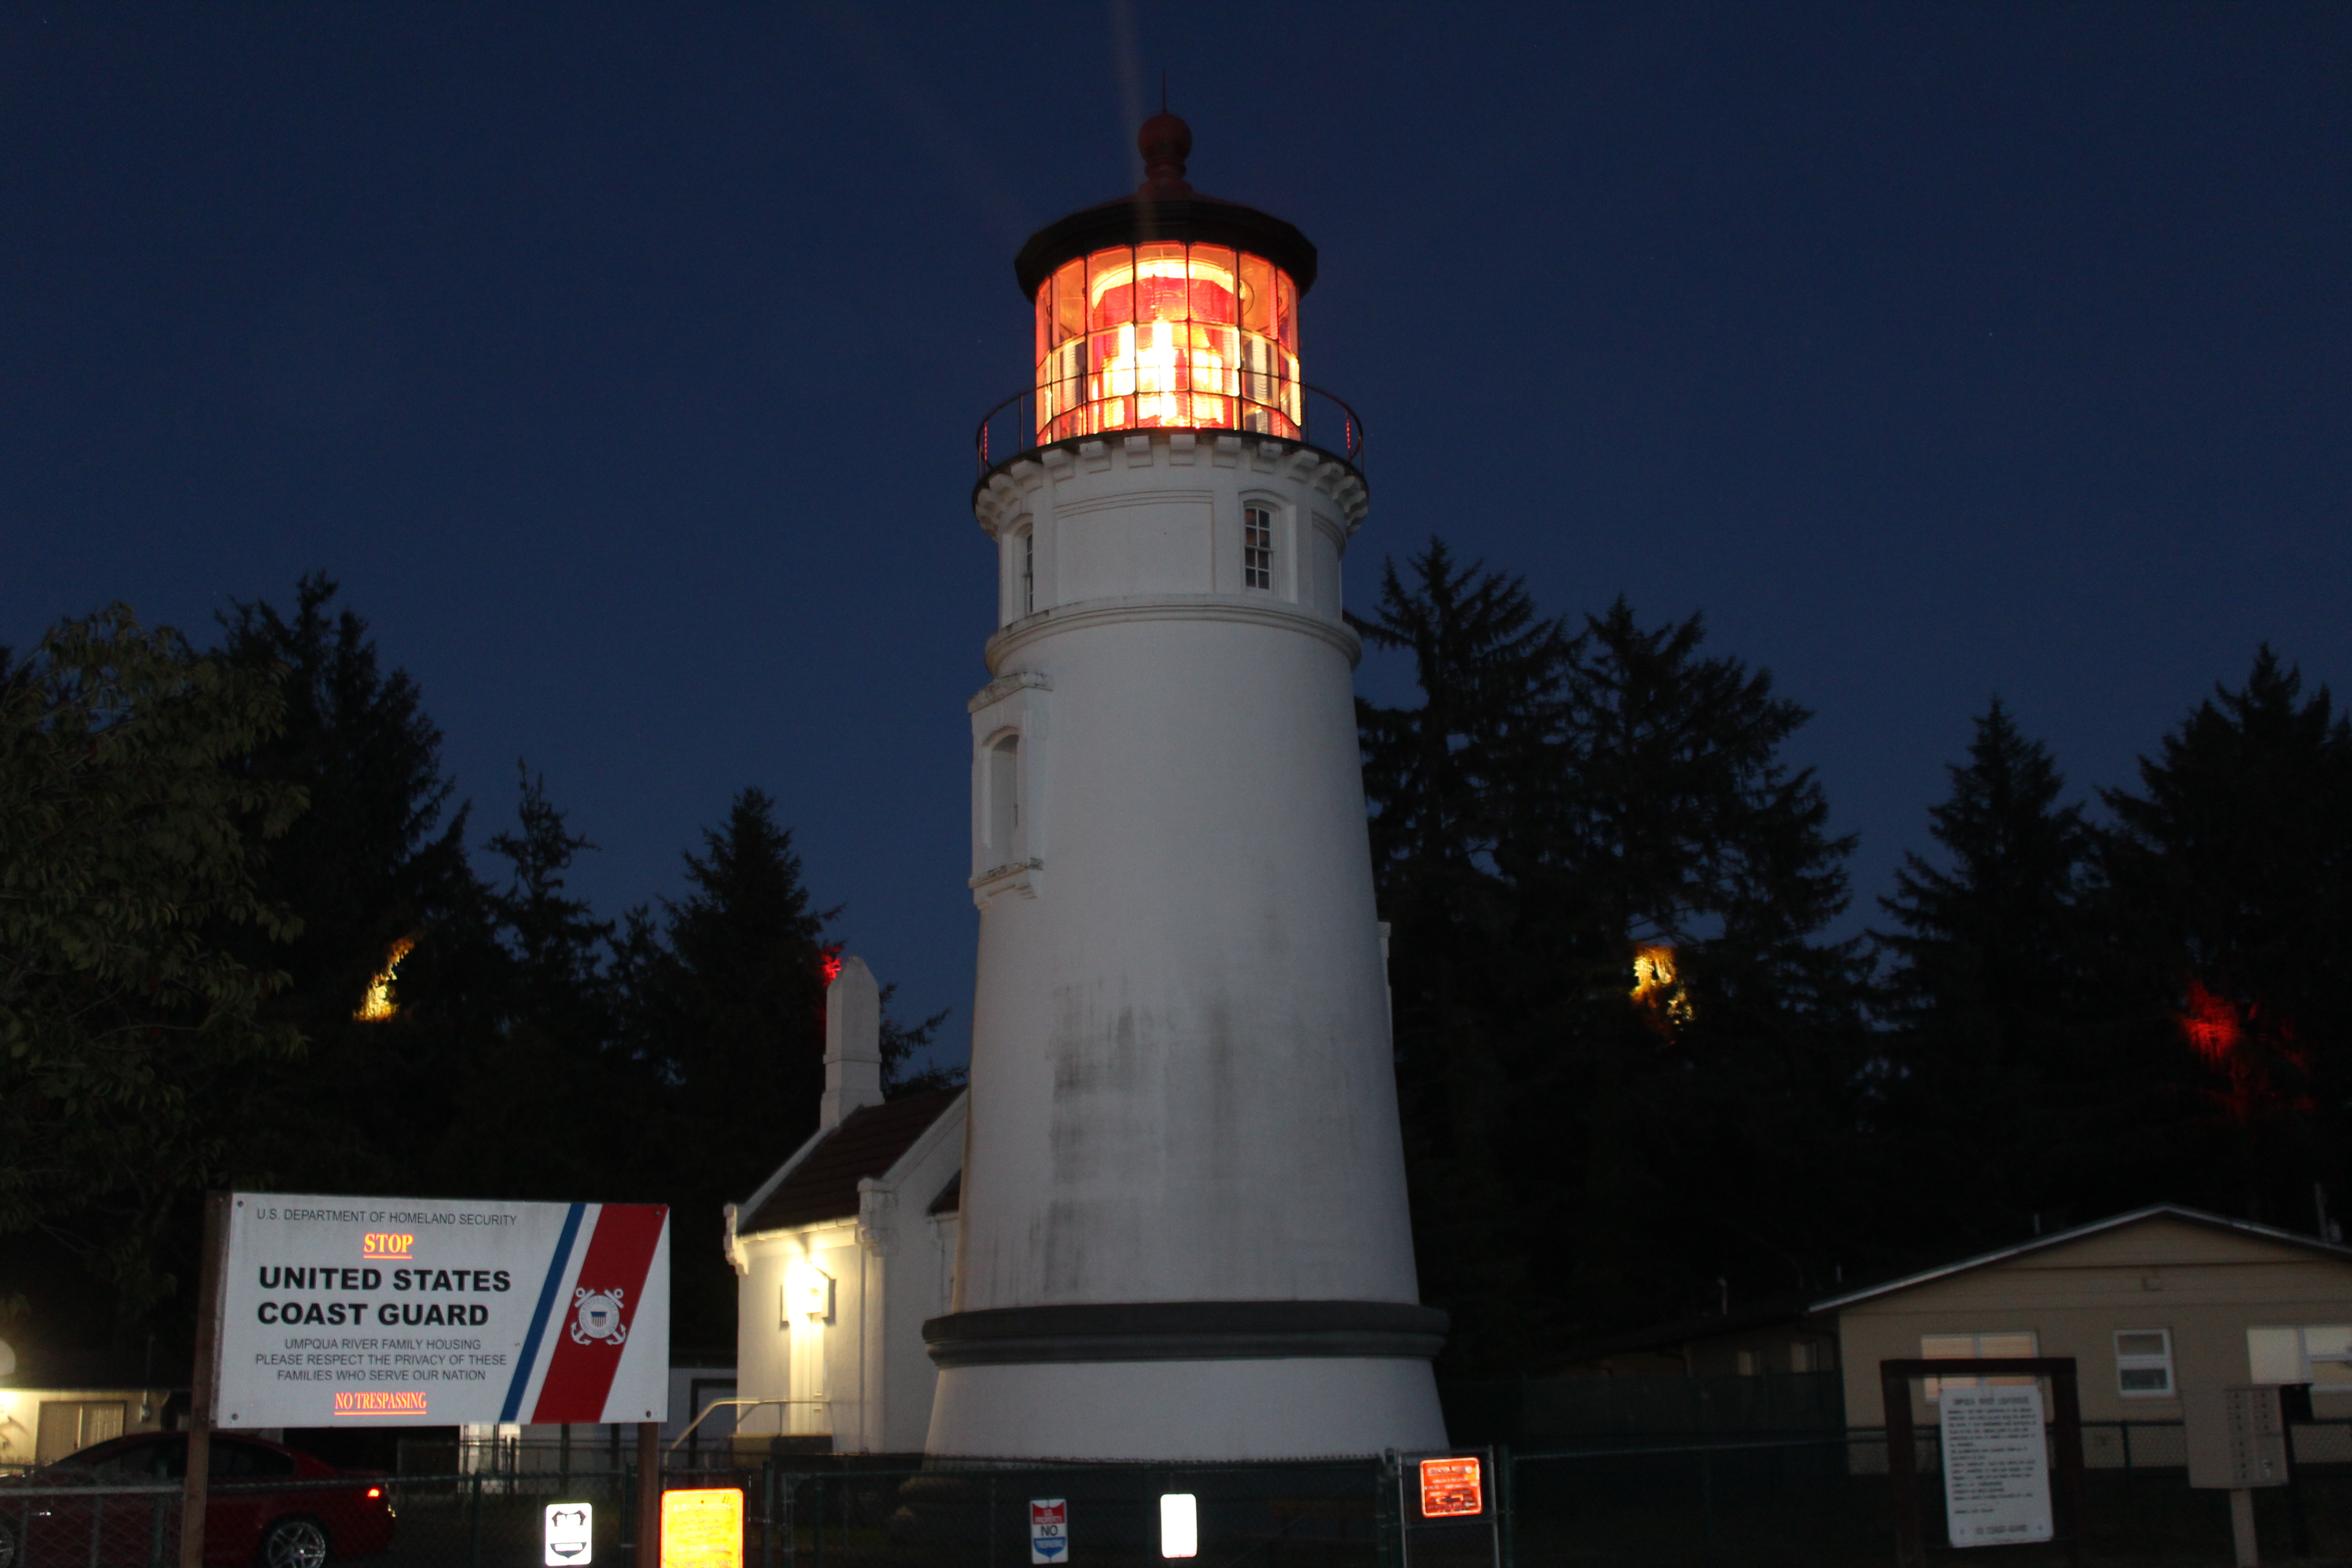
(2147, 1303)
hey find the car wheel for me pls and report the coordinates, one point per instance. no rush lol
(293, 1541)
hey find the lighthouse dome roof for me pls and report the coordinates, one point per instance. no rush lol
(1165, 207)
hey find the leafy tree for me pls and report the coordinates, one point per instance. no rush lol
(2225, 886)
(1984, 996)
(123, 864)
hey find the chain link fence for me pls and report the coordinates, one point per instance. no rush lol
(1763, 1501)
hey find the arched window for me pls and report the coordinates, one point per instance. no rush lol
(1257, 546)
(1004, 837)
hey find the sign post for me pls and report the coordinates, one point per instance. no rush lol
(206, 1381)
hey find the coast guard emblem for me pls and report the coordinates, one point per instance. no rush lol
(597, 1316)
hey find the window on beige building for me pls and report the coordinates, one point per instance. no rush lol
(2143, 1363)
(1976, 1347)
(2317, 1353)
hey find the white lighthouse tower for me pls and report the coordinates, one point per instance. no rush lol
(1184, 1231)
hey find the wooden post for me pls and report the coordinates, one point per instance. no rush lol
(649, 1494)
(2073, 1520)
(1902, 1465)
(209, 1283)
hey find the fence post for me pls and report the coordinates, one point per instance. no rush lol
(474, 1523)
(767, 1513)
(816, 1532)
(1505, 1505)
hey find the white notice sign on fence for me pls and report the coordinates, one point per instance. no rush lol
(1996, 1466)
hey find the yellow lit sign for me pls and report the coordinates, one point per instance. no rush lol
(702, 1528)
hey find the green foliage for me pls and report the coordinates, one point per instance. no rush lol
(128, 852)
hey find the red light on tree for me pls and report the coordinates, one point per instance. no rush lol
(2211, 1025)
(832, 965)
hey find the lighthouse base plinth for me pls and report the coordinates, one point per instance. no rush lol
(1262, 1408)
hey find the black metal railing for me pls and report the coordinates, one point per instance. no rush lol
(1010, 428)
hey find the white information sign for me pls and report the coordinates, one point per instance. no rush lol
(1049, 1530)
(1996, 1466)
(571, 1534)
(436, 1312)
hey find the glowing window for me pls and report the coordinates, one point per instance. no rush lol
(1976, 1347)
(2144, 1363)
(1257, 547)
(1168, 335)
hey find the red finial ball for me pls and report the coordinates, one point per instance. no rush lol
(1165, 142)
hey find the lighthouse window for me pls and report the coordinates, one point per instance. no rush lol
(1004, 799)
(1028, 571)
(1168, 335)
(1257, 547)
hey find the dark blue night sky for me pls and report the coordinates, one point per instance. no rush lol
(623, 361)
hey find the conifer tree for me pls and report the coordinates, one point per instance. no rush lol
(1560, 812)
(1984, 1001)
(1717, 1033)
(2225, 886)
(1446, 783)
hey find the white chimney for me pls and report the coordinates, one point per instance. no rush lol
(853, 1043)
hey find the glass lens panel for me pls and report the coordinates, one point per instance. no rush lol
(1070, 302)
(1110, 287)
(1214, 284)
(1286, 311)
(1161, 291)
(1257, 294)
(1043, 340)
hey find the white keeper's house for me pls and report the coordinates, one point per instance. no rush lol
(846, 1250)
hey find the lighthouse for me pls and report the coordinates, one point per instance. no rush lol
(1184, 1232)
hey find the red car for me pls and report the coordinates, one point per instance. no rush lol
(267, 1506)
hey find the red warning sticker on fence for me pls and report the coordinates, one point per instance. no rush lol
(1450, 1489)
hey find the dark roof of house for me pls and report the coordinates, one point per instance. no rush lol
(868, 1142)
(2062, 1238)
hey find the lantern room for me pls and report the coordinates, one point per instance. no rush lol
(1164, 333)
(1166, 309)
